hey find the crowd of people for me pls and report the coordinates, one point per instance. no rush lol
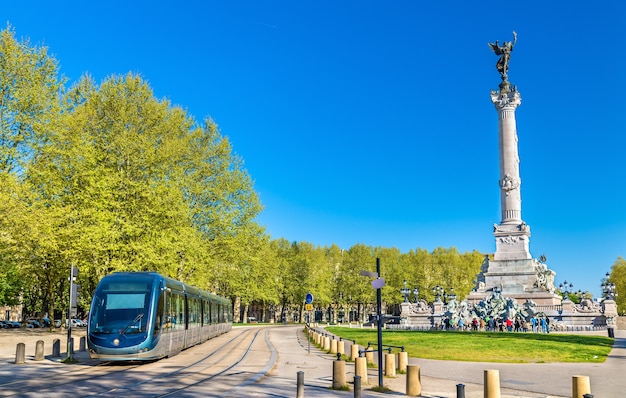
(503, 324)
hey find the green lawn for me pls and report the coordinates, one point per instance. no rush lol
(488, 346)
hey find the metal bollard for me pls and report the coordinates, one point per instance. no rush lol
(300, 391)
(20, 353)
(357, 386)
(460, 391)
(588, 396)
(39, 351)
(82, 344)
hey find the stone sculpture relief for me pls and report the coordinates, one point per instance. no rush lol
(504, 51)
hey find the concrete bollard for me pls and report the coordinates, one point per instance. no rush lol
(326, 343)
(82, 345)
(413, 381)
(339, 374)
(360, 369)
(39, 351)
(300, 385)
(333, 346)
(354, 352)
(341, 347)
(403, 360)
(580, 386)
(492, 383)
(369, 356)
(56, 348)
(390, 365)
(20, 353)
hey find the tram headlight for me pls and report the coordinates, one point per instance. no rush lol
(116, 342)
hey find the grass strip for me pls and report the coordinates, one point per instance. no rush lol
(488, 346)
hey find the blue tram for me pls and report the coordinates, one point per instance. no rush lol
(146, 316)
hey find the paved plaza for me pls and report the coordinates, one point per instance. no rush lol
(290, 355)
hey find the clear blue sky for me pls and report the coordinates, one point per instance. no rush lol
(371, 122)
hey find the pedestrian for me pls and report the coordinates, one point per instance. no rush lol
(543, 324)
(509, 325)
(533, 321)
(547, 324)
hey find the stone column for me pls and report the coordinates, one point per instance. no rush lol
(506, 100)
(512, 235)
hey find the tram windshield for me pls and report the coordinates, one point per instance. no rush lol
(121, 306)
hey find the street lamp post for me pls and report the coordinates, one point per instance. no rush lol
(438, 291)
(609, 288)
(406, 292)
(452, 295)
(378, 285)
(564, 288)
(416, 292)
(609, 305)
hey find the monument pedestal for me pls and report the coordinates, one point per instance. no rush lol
(521, 279)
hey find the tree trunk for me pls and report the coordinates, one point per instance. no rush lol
(245, 313)
(237, 307)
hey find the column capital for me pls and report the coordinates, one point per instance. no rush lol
(506, 99)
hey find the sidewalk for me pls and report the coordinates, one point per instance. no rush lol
(439, 378)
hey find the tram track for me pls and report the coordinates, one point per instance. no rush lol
(25, 385)
(169, 383)
(236, 356)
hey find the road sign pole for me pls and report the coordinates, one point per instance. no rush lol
(308, 331)
(380, 327)
(309, 304)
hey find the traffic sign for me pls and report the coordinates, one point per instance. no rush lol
(308, 307)
(309, 298)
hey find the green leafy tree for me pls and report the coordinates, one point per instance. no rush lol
(618, 276)
(29, 92)
(358, 289)
(29, 104)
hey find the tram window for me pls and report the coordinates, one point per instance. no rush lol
(205, 313)
(214, 314)
(125, 301)
(193, 309)
(175, 311)
(180, 310)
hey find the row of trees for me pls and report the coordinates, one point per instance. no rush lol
(106, 177)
